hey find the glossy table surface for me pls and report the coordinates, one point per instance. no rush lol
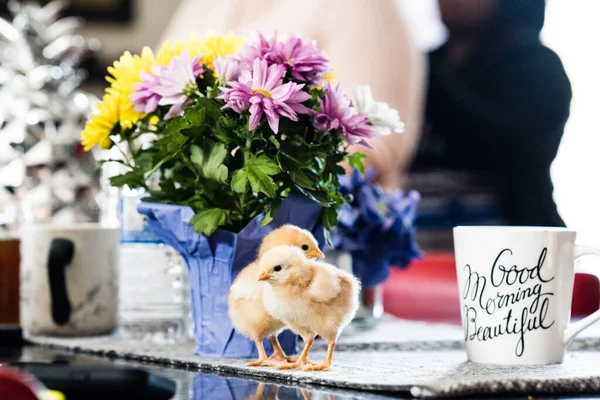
(196, 384)
(192, 384)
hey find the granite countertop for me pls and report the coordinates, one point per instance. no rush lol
(420, 359)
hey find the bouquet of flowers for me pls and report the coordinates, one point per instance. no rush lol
(232, 128)
(376, 228)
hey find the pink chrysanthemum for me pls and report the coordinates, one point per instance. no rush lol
(337, 113)
(144, 98)
(260, 48)
(262, 91)
(172, 85)
(302, 59)
(228, 68)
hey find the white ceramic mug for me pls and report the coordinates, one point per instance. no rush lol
(69, 279)
(516, 288)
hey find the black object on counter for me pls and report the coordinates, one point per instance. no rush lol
(11, 335)
(101, 382)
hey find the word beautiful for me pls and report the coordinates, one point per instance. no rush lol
(510, 301)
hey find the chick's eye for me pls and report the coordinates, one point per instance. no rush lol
(305, 247)
(277, 268)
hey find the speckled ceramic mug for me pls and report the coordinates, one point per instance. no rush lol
(516, 288)
(69, 279)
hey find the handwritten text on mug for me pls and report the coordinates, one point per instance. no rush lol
(525, 309)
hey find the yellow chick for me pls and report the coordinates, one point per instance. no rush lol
(311, 298)
(246, 309)
(291, 235)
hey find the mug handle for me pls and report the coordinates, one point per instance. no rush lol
(575, 328)
(59, 257)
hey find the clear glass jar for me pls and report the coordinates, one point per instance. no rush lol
(153, 290)
(371, 300)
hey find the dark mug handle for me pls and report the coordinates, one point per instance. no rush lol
(59, 257)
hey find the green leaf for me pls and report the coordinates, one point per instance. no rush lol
(196, 116)
(197, 156)
(356, 161)
(328, 239)
(194, 132)
(171, 140)
(330, 217)
(196, 202)
(261, 182)
(259, 170)
(191, 166)
(301, 179)
(213, 168)
(264, 163)
(175, 125)
(143, 160)
(275, 142)
(207, 221)
(134, 179)
(339, 170)
(224, 129)
(239, 181)
(270, 212)
(213, 110)
(320, 196)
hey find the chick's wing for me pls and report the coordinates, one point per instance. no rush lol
(325, 285)
(245, 286)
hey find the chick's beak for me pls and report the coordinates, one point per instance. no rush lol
(316, 253)
(264, 276)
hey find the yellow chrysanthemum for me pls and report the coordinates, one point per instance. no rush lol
(124, 73)
(100, 125)
(171, 49)
(215, 46)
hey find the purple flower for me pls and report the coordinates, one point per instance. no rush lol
(144, 98)
(376, 228)
(337, 113)
(260, 48)
(262, 91)
(172, 85)
(228, 68)
(302, 59)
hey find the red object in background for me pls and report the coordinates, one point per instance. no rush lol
(428, 291)
(17, 386)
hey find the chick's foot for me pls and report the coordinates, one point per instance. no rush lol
(284, 358)
(321, 367)
(303, 359)
(257, 363)
(262, 361)
(278, 353)
(296, 364)
(281, 357)
(326, 366)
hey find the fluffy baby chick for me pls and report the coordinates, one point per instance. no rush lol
(291, 235)
(246, 309)
(311, 298)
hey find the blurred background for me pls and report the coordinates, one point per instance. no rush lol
(569, 30)
(448, 199)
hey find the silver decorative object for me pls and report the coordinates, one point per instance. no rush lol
(45, 176)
